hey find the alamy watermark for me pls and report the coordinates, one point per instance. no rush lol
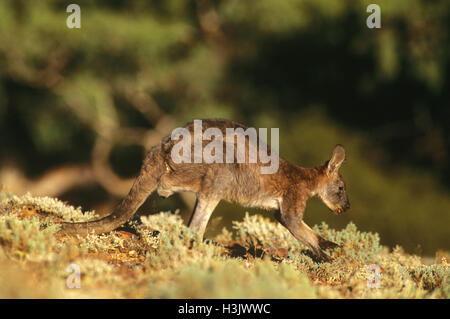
(374, 280)
(213, 152)
(374, 19)
(74, 279)
(74, 19)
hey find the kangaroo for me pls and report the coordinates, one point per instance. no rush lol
(286, 190)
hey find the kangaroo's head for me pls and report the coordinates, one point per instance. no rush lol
(331, 188)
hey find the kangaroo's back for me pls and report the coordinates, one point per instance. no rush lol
(232, 175)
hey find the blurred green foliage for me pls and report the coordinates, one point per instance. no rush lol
(310, 67)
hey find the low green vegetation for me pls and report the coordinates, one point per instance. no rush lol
(159, 257)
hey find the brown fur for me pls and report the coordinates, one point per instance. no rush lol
(287, 190)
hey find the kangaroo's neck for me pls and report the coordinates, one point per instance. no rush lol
(308, 179)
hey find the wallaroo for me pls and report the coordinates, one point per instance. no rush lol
(286, 190)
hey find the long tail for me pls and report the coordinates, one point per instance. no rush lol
(143, 186)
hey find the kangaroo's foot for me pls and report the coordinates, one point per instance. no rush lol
(322, 257)
(326, 244)
(317, 256)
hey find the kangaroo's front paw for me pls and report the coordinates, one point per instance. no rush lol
(324, 258)
(320, 256)
(326, 244)
(317, 256)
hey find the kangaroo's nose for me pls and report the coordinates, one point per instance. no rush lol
(347, 206)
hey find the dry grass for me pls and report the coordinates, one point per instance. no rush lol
(259, 259)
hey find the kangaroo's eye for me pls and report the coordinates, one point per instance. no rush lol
(341, 188)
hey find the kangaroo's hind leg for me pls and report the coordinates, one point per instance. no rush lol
(202, 213)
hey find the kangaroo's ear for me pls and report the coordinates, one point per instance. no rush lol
(336, 160)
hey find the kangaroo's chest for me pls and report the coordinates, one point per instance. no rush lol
(252, 197)
(264, 202)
